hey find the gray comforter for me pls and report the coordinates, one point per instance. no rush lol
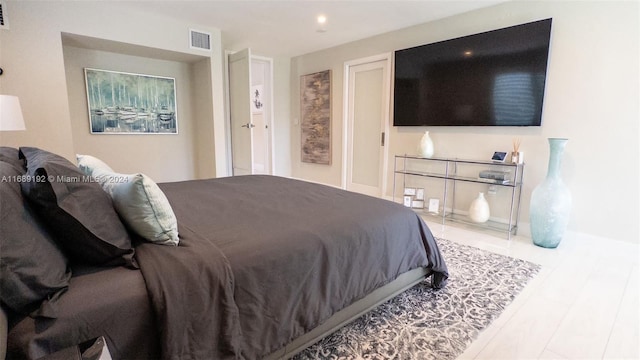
(264, 259)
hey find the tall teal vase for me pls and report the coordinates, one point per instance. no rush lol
(550, 201)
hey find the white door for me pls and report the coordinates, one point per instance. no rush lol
(367, 120)
(240, 112)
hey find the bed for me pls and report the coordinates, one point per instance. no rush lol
(264, 267)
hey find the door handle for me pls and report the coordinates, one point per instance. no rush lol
(248, 125)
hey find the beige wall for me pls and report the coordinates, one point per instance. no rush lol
(162, 157)
(32, 57)
(591, 98)
(31, 53)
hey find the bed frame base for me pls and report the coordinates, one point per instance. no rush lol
(351, 312)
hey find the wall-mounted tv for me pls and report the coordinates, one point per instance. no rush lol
(495, 78)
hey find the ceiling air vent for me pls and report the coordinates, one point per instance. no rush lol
(4, 23)
(200, 40)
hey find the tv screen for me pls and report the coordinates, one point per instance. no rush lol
(495, 78)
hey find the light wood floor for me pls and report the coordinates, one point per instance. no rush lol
(584, 304)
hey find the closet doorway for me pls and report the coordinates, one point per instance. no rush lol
(250, 113)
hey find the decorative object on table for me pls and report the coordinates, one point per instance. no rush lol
(11, 114)
(434, 206)
(413, 197)
(499, 156)
(410, 191)
(550, 201)
(479, 211)
(124, 103)
(425, 147)
(517, 157)
(417, 204)
(496, 175)
(315, 124)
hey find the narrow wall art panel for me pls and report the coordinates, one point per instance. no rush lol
(315, 123)
(124, 103)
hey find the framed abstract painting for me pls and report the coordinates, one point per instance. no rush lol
(315, 123)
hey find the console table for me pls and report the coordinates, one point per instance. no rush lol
(445, 177)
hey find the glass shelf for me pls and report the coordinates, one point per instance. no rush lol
(458, 178)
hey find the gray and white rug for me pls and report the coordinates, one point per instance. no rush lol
(423, 323)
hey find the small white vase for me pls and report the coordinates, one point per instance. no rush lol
(425, 147)
(479, 210)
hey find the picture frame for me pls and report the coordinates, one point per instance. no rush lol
(434, 205)
(315, 115)
(420, 194)
(410, 191)
(499, 156)
(417, 204)
(406, 201)
(128, 103)
(257, 99)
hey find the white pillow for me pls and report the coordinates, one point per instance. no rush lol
(88, 163)
(137, 199)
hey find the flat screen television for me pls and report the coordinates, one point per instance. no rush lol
(495, 78)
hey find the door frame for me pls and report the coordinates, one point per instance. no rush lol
(270, 111)
(346, 123)
(227, 112)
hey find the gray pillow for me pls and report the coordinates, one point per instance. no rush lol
(33, 270)
(10, 155)
(78, 212)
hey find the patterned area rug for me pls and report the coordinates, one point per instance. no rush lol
(423, 323)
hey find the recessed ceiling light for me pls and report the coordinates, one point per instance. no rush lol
(322, 23)
(468, 53)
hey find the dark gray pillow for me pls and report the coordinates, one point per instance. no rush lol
(10, 155)
(78, 212)
(33, 271)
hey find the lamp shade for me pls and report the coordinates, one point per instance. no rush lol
(10, 114)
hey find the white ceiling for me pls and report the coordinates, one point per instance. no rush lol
(289, 28)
